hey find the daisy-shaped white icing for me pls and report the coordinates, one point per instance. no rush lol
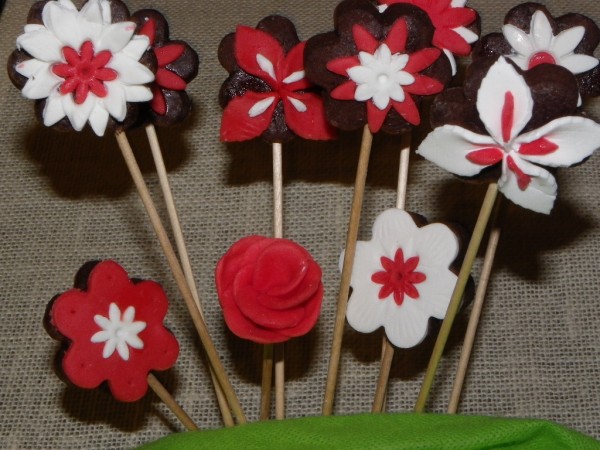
(540, 45)
(505, 106)
(86, 67)
(119, 332)
(401, 278)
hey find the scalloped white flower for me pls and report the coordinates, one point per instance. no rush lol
(401, 278)
(81, 82)
(118, 332)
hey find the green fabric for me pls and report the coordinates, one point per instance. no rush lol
(385, 431)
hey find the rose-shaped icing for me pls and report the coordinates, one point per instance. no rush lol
(82, 66)
(375, 67)
(113, 330)
(517, 122)
(402, 277)
(177, 65)
(270, 289)
(267, 93)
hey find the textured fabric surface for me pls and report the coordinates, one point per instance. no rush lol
(67, 198)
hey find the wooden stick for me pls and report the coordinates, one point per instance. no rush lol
(279, 381)
(267, 379)
(459, 289)
(175, 267)
(486, 270)
(352, 236)
(168, 400)
(387, 354)
(186, 265)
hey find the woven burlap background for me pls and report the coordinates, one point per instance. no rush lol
(68, 198)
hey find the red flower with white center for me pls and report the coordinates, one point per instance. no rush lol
(398, 277)
(505, 106)
(248, 115)
(114, 331)
(385, 76)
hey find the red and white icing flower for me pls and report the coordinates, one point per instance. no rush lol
(505, 106)
(451, 20)
(114, 331)
(86, 67)
(247, 116)
(385, 76)
(402, 277)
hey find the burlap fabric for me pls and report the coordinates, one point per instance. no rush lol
(67, 198)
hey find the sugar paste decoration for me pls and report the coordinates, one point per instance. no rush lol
(402, 277)
(456, 26)
(267, 93)
(113, 330)
(505, 106)
(84, 66)
(270, 289)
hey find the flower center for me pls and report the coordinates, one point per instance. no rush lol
(398, 277)
(541, 58)
(84, 72)
(118, 332)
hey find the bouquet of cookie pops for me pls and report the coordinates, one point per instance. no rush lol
(518, 110)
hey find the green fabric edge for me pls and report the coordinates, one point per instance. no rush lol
(385, 431)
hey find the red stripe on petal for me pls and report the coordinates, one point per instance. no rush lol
(341, 65)
(364, 40)
(408, 110)
(396, 38)
(344, 91)
(168, 53)
(424, 86)
(486, 156)
(236, 123)
(421, 59)
(538, 147)
(508, 116)
(523, 179)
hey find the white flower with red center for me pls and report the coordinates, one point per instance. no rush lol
(505, 106)
(384, 76)
(249, 115)
(86, 67)
(540, 45)
(402, 277)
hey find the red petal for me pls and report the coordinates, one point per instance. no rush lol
(71, 56)
(237, 125)
(398, 297)
(365, 42)
(451, 40)
(81, 93)
(312, 308)
(158, 102)
(486, 156)
(424, 86)
(300, 295)
(541, 146)
(417, 277)
(87, 51)
(341, 65)
(421, 59)
(456, 17)
(168, 53)
(106, 74)
(385, 291)
(411, 264)
(170, 80)
(508, 115)
(149, 30)
(280, 268)
(249, 43)
(523, 179)
(376, 116)
(408, 110)
(309, 124)
(396, 38)
(98, 88)
(344, 91)
(387, 264)
(382, 277)
(63, 70)
(411, 291)
(69, 85)
(102, 59)
(293, 63)
(235, 258)
(399, 258)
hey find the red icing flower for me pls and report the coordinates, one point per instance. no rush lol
(398, 277)
(114, 331)
(270, 289)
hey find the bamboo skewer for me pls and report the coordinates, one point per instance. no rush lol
(179, 276)
(486, 270)
(183, 253)
(168, 400)
(463, 277)
(267, 379)
(352, 235)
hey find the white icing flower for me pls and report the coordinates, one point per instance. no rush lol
(118, 332)
(401, 278)
(86, 67)
(540, 45)
(505, 106)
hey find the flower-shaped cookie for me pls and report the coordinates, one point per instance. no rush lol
(513, 137)
(113, 330)
(402, 277)
(531, 36)
(456, 27)
(177, 66)
(376, 66)
(267, 93)
(82, 66)
(270, 289)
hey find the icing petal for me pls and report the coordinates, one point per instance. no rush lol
(393, 229)
(468, 35)
(31, 67)
(115, 37)
(366, 313)
(53, 110)
(64, 23)
(437, 246)
(449, 39)
(438, 292)
(136, 47)
(577, 63)
(376, 116)
(137, 94)
(408, 110)
(99, 119)
(422, 59)
(365, 42)
(518, 40)
(346, 91)
(78, 114)
(41, 84)
(249, 44)
(409, 327)
(92, 12)
(293, 69)
(130, 71)
(541, 31)
(567, 41)
(310, 123)
(238, 125)
(115, 102)
(452, 60)
(42, 45)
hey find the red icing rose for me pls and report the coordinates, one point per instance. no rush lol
(114, 331)
(270, 289)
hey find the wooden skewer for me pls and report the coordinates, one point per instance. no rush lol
(279, 381)
(173, 262)
(186, 265)
(459, 289)
(352, 236)
(267, 379)
(168, 400)
(486, 270)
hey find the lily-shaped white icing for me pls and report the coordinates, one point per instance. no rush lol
(119, 332)
(401, 278)
(540, 45)
(86, 67)
(505, 106)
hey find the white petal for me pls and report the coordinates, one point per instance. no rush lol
(406, 325)
(382, 8)
(130, 71)
(78, 114)
(123, 350)
(99, 119)
(300, 107)
(92, 12)
(109, 348)
(452, 60)
(64, 23)
(42, 45)
(394, 228)
(266, 65)
(361, 74)
(101, 336)
(576, 137)
(458, 3)
(68, 4)
(137, 47)
(134, 341)
(115, 37)
(364, 92)
(136, 94)
(102, 322)
(366, 59)
(114, 102)
(261, 106)
(399, 62)
(296, 76)
(566, 41)
(577, 63)
(448, 146)
(404, 78)
(521, 61)
(436, 291)
(367, 261)
(365, 312)
(53, 110)
(381, 99)
(501, 79)
(114, 313)
(383, 54)
(128, 315)
(518, 40)
(30, 67)
(31, 27)
(397, 93)
(106, 11)
(541, 31)
(466, 34)
(436, 246)
(41, 85)
(136, 327)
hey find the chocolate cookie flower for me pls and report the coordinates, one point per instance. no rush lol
(82, 66)
(532, 36)
(525, 123)
(113, 330)
(376, 66)
(177, 66)
(267, 93)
